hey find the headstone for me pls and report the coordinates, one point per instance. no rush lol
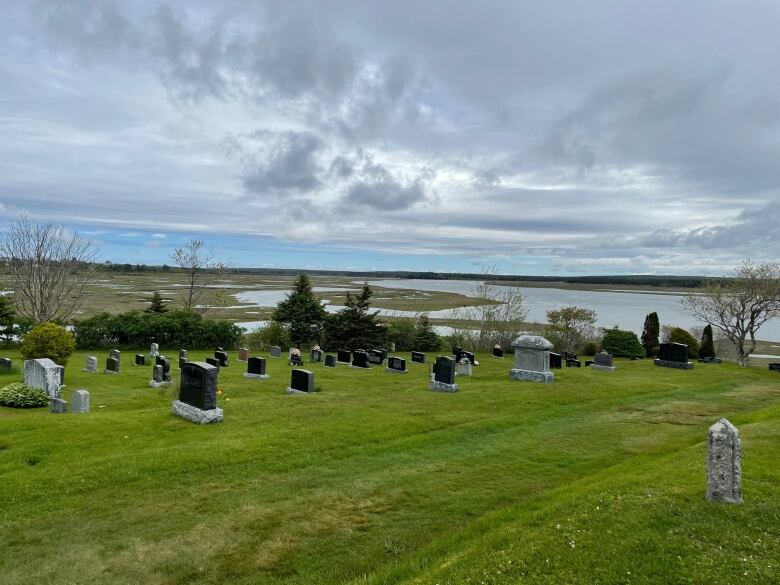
(198, 394)
(775, 367)
(673, 355)
(498, 352)
(243, 354)
(573, 363)
(603, 361)
(295, 359)
(183, 354)
(161, 373)
(375, 357)
(456, 349)
(556, 361)
(166, 366)
(222, 356)
(91, 365)
(116, 354)
(589, 363)
(467, 355)
(724, 467)
(418, 357)
(359, 360)
(396, 365)
(567, 355)
(58, 406)
(255, 369)
(532, 359)
(276, 351)
(154, 351)
(443, 375)
(182, 361)
(79, 402)
(330, 361)
(140, 359)
(112, 366)
(711, 360)
(301, 381)
(210, 361)
(463, 367)
(44, 374)
(344, 357)
(5, 364)
(157, 374)
(315, 356)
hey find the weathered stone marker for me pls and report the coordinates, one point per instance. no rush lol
(532, 359)
(243, 354)
(79, 401)
(276, 351)
(154, 351)
(603, 361)
(44, 374)
(91, 365)
(58, 406)
(724, 469)
(5, 364)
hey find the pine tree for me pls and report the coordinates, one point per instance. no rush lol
(426, 339)
(301, 313)
(7, 315)
(650, 333)
(354, 327)
(158, 305)
(707, 347)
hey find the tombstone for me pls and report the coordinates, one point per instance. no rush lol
(456, 349)
(532, 359)
(166, 366)
(140, 359)
(396, 365)
(182, 361)
(711, 360)
(210, 361)
(375, 357)
(112, 366)
(58, 406)
(5, 364)
(44, 374)
(344, 357)
(91, 365)
(161, 373)
(315, 355)
(381, 352)
(255, 369)
(301, 382)
(775, 367)
(157, 374)
(589, 363)
(276, 351)
(443, 375)
(79, 402)
(603, 361)
(243, 354)
(467, 355)
(498, 352)
(222, 357)
(673, 355)
(154, 351)
(183, 354)
(556, 361)
(116, 354)
(463, 367)
(295, 359)
(573, 363)
(724, 467)
(359, 360)
(198, 394)
(418, 357)
(330, 361)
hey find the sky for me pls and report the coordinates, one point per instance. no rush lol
(550, 138)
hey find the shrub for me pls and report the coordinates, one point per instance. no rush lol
(48, 340)
(707, 347)
(274, 333)
(426, 338)
(622, 344)
(590, 348)
(402, 333)
(650, 333)
(680, 335)
(19, 395)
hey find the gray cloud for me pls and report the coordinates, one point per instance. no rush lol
(288, 163)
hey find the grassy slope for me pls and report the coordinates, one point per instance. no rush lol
(376, 480)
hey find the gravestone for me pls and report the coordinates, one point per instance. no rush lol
(498, 352)
(344, 357)
(443, 375)
(116, 354)
(396, 365)
(556, 361)
(315, 356)
(710, 360)
(91, 365)
(603, 361)
(573, 363)
(243, 354)
(112, 363)
(210, 361)
(295, 359)
(198, 394)
(79, 402)
(163, 361)
(301, 382)
(5, 364)
(589, 363)
(724, 465)
(467, 355)
(673, 355)
(463, 367)
(775, 367)
(255, 369)
(222, 356)
(58, 406)
(418, 357)
(182, 361)
(154, 351)
(359, 360)
(375, 357)
(183, 354)
(140, 359)
(44, 374)
(456, 349)
(161, 373)
(330, 361)
(532, 359)
(276, 351)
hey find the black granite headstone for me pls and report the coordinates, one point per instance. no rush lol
(330, 361)
(555, 361)
(775, 367)
(296, 360)
(302, 380)
(344, 357)
(112, 364)
(573, 363)
(569, 356)
(498, 352)
(315, 356)
(198, 385)
(255, 366)
(673, 352)
(418, 357)
(360, 359)
(375, 357)
(212, 362)
(140, 359)
(5, 364)
(465, 354)
(444, 370)
(456, 349)
(222, 357)
(182, 361)
(165, 363)
(396, 363)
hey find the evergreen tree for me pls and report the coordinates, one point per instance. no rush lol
(650, 333)
(7, 315)
(707, 347)
(301, 313)
(158, 305)
(354, 327)
(426, 339)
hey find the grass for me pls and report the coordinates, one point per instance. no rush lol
(598, 478)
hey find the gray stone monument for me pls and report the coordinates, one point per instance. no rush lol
(532, 359)
(243, 354)
(276, 351)
(603, 361)
(724, 470)
(44, 374)
(79, 401)
(463, 367)
(91, 365)
(158, 377)
(58, 406)
(154, 351)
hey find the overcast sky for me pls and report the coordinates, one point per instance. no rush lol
(540, 137)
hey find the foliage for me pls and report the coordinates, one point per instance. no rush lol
(157, 305)
(201, 269)
(302, 313)
(740, 305)
(179, 328)
(48, 340)
(355, 327)
(622, 344)
(402, 332)
(650, 333)
(7, 315)
(591, 347)
(569, 327)
(707, 345)
(680, 335)
(274, 333)
(425, 338)
(20, 395)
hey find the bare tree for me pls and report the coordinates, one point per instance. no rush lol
(202, 270)
(739, 305)
(50, 269)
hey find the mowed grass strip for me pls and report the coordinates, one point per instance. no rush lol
(377, 480)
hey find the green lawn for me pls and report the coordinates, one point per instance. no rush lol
(597, 478)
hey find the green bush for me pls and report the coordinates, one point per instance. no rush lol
(680, 335)
(19, 395)
(622, 344)
(590, 348)
(274, 333)
(707, 346)
(48, 340)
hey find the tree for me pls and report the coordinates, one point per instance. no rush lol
(622, 343)
(569, 326)
(354, 327)
(48, 340)
(680, 335)
(201, 269)
(738, 306)
(650, 333)
(50, 270)
(7, 315)
(157, 305)
(425, 338)
(301, 313)
(707, 345)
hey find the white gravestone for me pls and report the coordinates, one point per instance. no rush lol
(724, 469)
(44, 374)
